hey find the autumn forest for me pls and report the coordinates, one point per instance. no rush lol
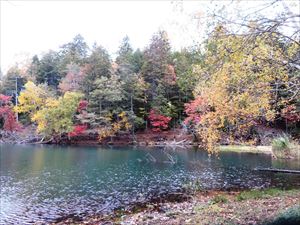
(211, 91)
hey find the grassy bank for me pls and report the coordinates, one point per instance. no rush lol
(245, 148)
(290, 151)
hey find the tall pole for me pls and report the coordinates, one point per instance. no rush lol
(17, 98)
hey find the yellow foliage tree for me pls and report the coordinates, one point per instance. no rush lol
(237, 81)
(57, 115)
(113, 127)
(32, 98)
(54, 116)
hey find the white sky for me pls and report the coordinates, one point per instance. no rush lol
(34, 27)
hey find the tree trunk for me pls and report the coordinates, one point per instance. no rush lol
(278, 170)
(100, 107)
(131, 103)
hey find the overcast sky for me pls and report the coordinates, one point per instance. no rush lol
(34, 27)
(30, 27)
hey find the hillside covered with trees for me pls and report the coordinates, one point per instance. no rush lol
(235, 81)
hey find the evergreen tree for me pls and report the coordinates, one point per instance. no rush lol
(8, 84)
(124, 60)
(34, 67)
(99, 65)
(107, 94)
(74, 52)
(155, 65)
(156, 59)
(137, 60)
(48, 71)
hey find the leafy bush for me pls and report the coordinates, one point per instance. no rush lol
(258, 194)
(139, 123)
(219, 199)
(283, 147)
(288, 217)
(281, 143)
(158, 122)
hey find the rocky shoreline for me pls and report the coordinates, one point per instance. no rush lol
(19, 137)
(205, 207)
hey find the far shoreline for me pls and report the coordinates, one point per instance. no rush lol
(266, 149)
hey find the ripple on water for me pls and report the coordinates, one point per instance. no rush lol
(55, 183)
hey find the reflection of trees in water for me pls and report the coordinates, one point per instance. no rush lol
(226, 170)
(237, 170)
(285, 179)
(286, 163)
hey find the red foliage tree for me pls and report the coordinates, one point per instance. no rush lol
(4, 99)
(291, 114)
(194, 110)
(74, 78)
(7, 114)
(78, 130)
(157, 121)
(83, 104)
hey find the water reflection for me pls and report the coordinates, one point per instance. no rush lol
(42, 183)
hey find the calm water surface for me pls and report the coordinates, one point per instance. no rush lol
(44, 183)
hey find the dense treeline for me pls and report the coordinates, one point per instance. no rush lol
(227, 87)
(135, 85)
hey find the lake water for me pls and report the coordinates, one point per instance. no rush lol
(44, 183)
